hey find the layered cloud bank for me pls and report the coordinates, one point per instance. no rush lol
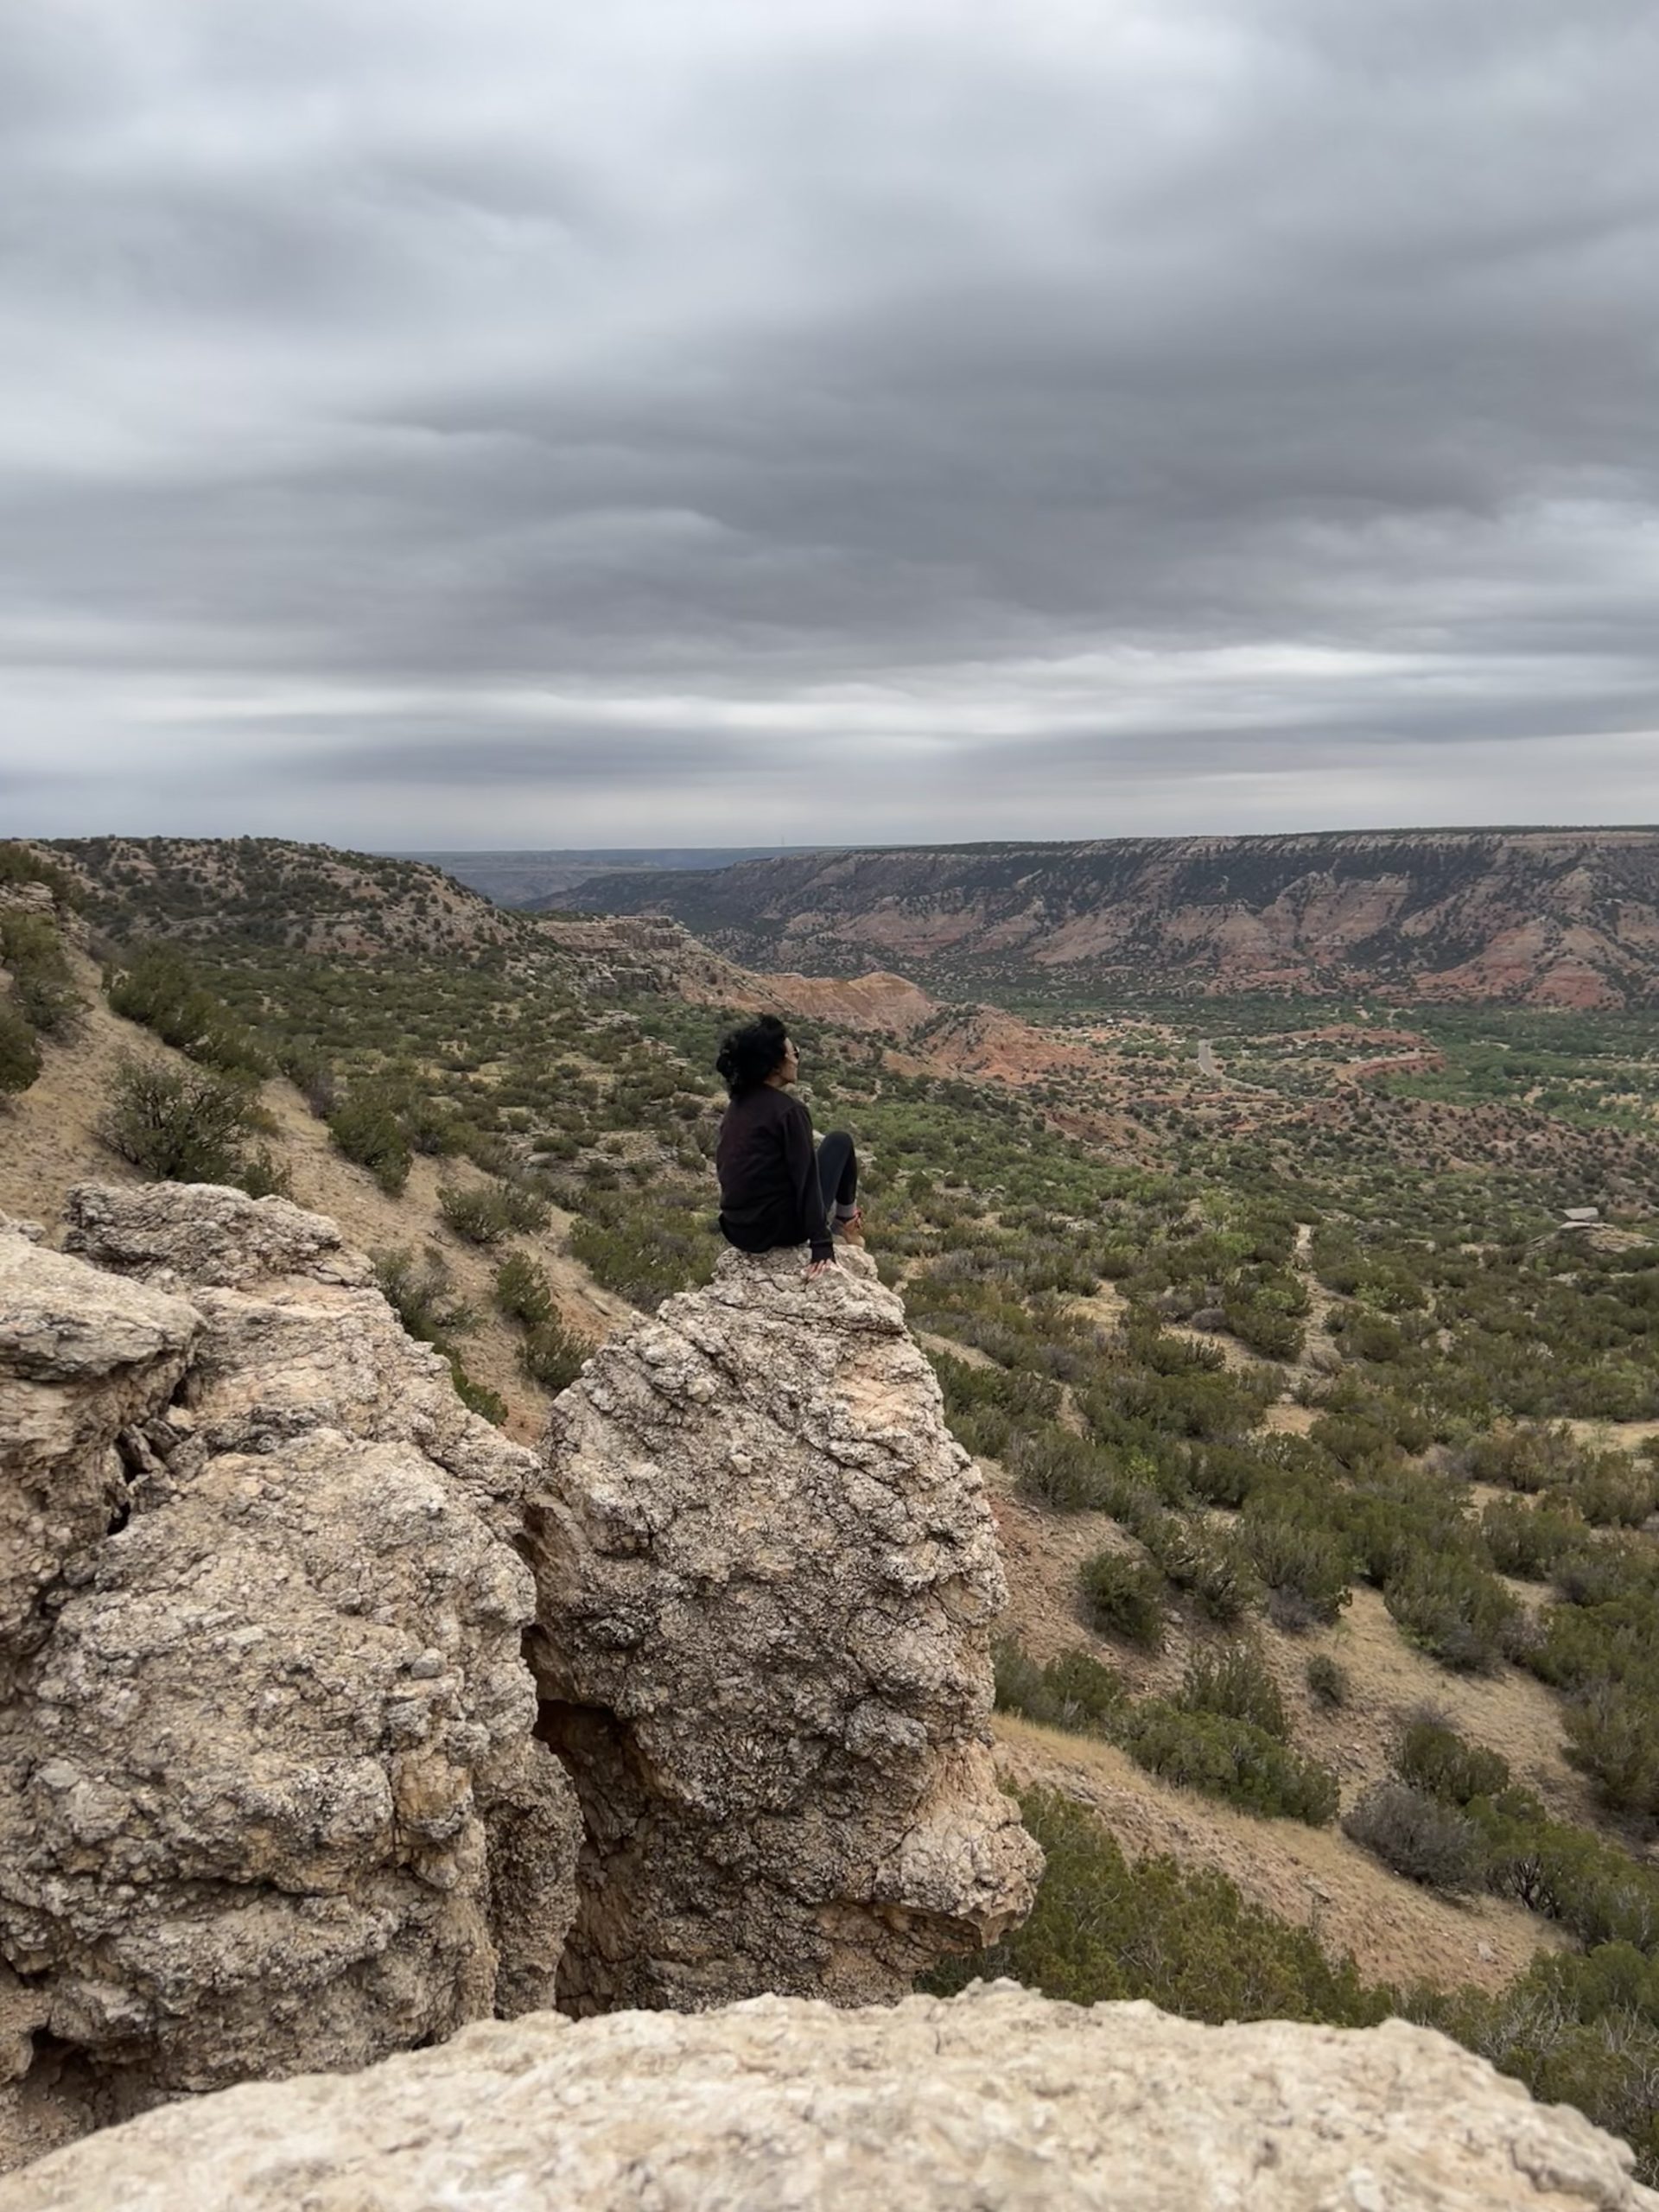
(843, 422)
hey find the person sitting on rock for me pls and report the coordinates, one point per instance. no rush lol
(775, 1189)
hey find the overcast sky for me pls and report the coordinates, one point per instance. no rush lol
(522, 422)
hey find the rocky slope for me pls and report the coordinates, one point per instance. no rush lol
(997, 2099)
(276, 1788)
(1549, 918)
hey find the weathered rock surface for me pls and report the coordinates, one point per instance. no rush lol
(998, 2098)
(269, 1793)
(765, 1575)
(84, 1360)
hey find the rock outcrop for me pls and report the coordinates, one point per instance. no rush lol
(277, 1789)
(269, 1793)
(998, 2098)
(766, 1574)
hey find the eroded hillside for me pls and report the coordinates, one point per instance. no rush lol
(1542, 918)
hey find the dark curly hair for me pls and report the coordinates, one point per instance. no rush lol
(748, 1055)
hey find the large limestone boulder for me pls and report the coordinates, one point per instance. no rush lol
(998, 2098)
(765, 1575)
(270, 1795)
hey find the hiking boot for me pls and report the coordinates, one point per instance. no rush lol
(851, 1231)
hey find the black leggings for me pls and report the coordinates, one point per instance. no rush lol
(838, 1175)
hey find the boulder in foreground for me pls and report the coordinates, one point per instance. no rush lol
(998, 2098)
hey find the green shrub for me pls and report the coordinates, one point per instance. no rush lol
(522, 1291)
(1582, 2031)
(20, 1049)
(187, 1125)
(1209, 1562)
(1454, 1609)
(1123, 1599)
(1233, 1682)
(1103, 1930)
(1432, 1757)
(1056, 1469)
(1075, 1691)
(1327, 1678)
(1419, 1836)
(1527, 1540)
(422, 1295)
(552, 1355)
(1613, 1735)
(1230, 1759)
(157, 986)
(42, 982)
(365, 1126)
(1298, 1561)
(1086, 1694)
(477, 1397)
(644, 1247)
(485, 1213)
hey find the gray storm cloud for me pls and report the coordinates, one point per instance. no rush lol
(433, 425)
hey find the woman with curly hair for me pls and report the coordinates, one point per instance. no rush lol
(775, 1187)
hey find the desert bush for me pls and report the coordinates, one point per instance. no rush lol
(1123, 1599)
(485, 1213)
(422, 1296)
(1582, 2031)
(522, 1290)
(421, 1293)
(1328, 1680)
(1419, 1836)
(1181, 1937)
(1614, 1491)
(187, 1125)
(552, 1354)
(1209, 1563)
(20, 1049)
(1228, 1758)
(42, 982)
(1057, 1469)
(1235, 1682)
(1613, 1735)
(157, 986)
(1298, 1560)
(1527, 1540)
(1432, 1757)
(1453, 1608)
(1529, 1457)
(987, 1407)
(1075, 1691)
(645, 1248)
(366, 1128)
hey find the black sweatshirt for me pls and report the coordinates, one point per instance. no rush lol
(768, 1170)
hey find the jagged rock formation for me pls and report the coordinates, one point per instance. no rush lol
(1545, 917)
(766, 1573)
(268, 1795)
(276, 1790)
(998, 2098)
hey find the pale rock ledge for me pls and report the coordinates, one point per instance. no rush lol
(998, 2100)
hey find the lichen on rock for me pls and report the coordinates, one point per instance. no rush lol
(765, 1575)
